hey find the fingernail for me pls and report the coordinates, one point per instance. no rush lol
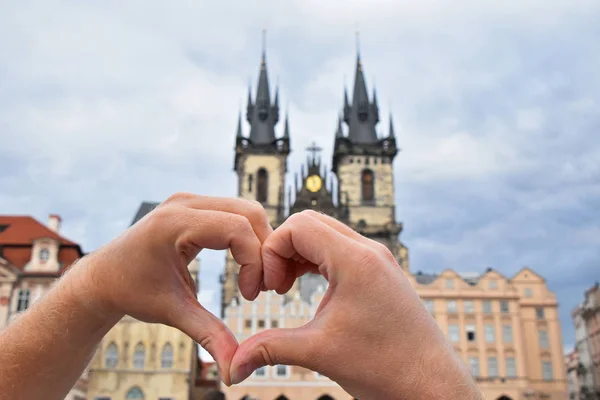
(242, 372)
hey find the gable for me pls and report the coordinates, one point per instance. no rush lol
(527, 275)
(7, 272)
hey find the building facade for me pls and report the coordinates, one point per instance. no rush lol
(572, 366)
(137, 360)
(586, 318)
(32, 257)
(505, 328)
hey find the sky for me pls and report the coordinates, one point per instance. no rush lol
(496, 107)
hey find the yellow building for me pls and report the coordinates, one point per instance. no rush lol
(137, 360)
(505, 328)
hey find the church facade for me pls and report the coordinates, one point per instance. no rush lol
(505, 328)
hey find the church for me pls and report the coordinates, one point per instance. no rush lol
(506, 329)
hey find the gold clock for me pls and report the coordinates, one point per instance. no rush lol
(314, 183)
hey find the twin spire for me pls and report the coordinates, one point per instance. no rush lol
(361, 115)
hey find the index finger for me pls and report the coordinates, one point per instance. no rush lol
(252, 210)
(315, 241)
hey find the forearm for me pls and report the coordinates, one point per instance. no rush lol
(45, 350)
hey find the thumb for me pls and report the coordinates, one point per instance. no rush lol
(295, 346)
(209, 332)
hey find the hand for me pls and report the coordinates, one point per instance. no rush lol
(143, 273)
(371, 334)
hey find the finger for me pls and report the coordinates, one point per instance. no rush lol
(209, 332)
(252, 210)
(318, 243)
(337, 225)
(275, 346)
(220, 230)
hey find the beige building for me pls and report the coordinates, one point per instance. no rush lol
(32, 257)
(505, 328)
(137, 360)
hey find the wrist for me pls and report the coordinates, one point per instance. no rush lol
(86, 288)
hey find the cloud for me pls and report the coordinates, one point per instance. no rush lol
(104, 105)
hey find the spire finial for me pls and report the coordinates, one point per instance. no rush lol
(391, 134)
(264, 46)
(239, 125)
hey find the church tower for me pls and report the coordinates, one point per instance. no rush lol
(260, 164)
(363, 164)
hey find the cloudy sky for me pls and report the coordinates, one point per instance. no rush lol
(496, 107)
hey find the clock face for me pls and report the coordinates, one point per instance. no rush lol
(314, 183)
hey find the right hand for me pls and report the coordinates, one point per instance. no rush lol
(371, 334)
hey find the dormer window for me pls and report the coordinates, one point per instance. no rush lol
(44, 255)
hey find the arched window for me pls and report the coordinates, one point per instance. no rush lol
(281, 397)
(368, 185)
(262, 185)
(135, 393)
(139, 356)
(166, 356)
(44, 255)
(325, 397)
(111, 356)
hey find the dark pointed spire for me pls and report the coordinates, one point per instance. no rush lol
(362, 116)
(296, 181)
(276, 101)
(392, 134)
(339, 133)
(286, 129)
(262, 115)
(239, 126)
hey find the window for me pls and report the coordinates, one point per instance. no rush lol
(453, 333)
(351, 160)
(135, 394)
(504, 308)
(507, 333)
(469, 306)
(166, 356)
(274, 323)
(428, 305)
(375, 160)
(493, 284)
(23, 300)
(547, 370)
(451, 305)
(449, 283)
(261, 372)
(262, 185)
(367, 161)
(539, 313)
(511, 367)
(281, 371)
(528, 292)
(488, 332)
(492, 367)
(368, 191)
(474, 366)
(111, 356)
(543, 339)
(44, 255)
(487, 307)
(261, 323)
(139, 357)
(248, 323)
(470, 329)
(250, 178)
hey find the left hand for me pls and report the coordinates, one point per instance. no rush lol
(143, 272)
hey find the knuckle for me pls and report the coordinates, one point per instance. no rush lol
(256, 209)
(266, 353)
(369, 257)
(177, 197)
(240, 224)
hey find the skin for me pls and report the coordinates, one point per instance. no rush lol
(371, 333)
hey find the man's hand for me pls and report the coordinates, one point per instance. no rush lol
(143, 273)
(371, 333)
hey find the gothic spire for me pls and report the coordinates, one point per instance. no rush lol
(262, 115)
(392, 134)
(339, 133)
(239, 126)
(362, 116)
(286, 130)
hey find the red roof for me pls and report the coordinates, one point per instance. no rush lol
(25, 229)
(17, 234)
